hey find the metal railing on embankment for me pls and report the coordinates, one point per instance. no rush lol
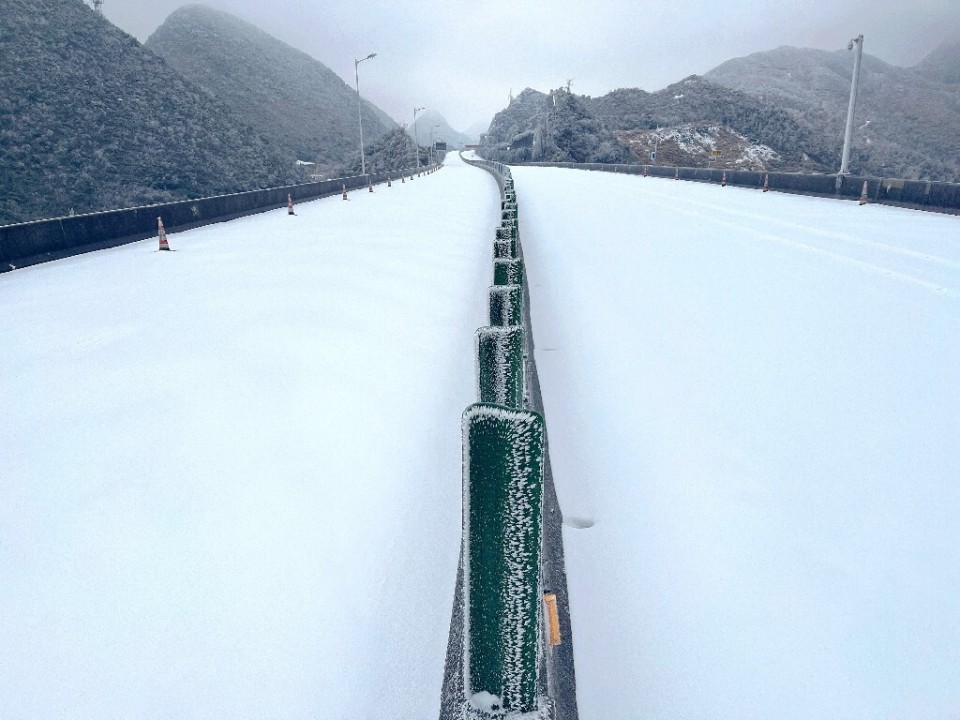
(38, 241)
(499, 658)
(939, 197)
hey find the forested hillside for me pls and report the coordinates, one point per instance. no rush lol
(308, 112)
(779, 110)
(907, 118)
(563, 126)
(89, 120)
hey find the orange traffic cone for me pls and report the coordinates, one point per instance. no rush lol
(345, 193)
(389, 184)
(723, 180)
(403, 179)
(369, 186)
(644, 170)
(677, 175)
(863, 194)
(290, 205)
(766, 182)
(164, 245)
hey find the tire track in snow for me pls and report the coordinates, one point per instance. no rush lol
(932, 287)
(814, 230)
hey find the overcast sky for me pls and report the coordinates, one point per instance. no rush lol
(463, 59)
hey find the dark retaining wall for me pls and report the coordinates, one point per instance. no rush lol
(933, 196)
(35, 242)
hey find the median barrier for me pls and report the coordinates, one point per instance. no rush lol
(500, 366)
(506, 305)
(503, 460)
(508, 271)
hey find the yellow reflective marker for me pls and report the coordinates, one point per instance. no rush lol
(553, 620)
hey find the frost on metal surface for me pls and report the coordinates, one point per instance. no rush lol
(502, 526)
(506, 305)
(507, 230)
(500, 367)
(504, 249)
(508, 271)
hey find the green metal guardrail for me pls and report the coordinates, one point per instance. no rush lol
(502, 503)
(508, 271)
(506, 305)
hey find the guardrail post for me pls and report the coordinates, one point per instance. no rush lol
(500, 374)
(502, 518)
(508, 271)
(505, 246)
(506, 305)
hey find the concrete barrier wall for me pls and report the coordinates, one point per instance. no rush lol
(34, 242)
(933, 196)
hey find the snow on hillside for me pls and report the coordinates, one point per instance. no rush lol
(693, 146)
(751, 401)
(231, 473)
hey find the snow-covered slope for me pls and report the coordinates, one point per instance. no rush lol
(751, 401)
(231, 473)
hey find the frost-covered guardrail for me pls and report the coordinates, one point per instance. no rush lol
(919, 194)
(504, 450)
(30, 243)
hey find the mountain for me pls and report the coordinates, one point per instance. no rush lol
(89, 120)
(620, 127)
(906, 120)
(306, 109)
(426, 121)
(474, 132)
(943, 64)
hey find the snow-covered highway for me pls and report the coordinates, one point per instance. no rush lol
(754, 414)
(231, 473)
(230, 483)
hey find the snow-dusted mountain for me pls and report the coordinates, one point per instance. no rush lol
(430, 121)
(907, 118)
(93, 121)
(306, 109)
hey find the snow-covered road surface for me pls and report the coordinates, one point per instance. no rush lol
(231, 474)
(753, 407)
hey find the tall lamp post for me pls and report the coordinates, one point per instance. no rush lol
(416, 130)
(356, 72)
(854, 87)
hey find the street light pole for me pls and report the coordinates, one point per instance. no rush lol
(356, 71)
(854, 87)
(416, 130)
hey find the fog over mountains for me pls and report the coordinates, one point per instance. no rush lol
(430, 121)
(308, 112)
